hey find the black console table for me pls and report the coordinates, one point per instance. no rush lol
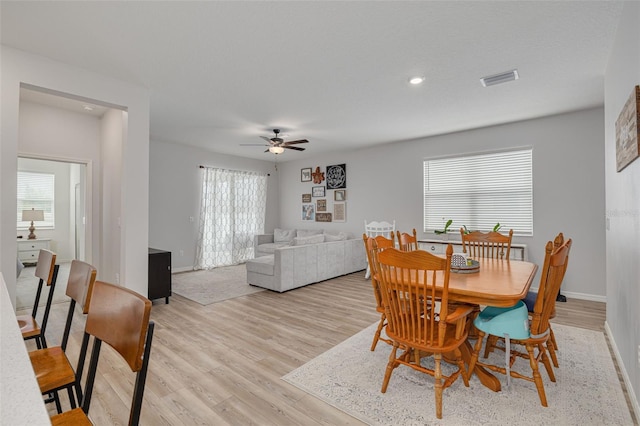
(159, 274)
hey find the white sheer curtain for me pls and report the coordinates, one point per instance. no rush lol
(232, 210)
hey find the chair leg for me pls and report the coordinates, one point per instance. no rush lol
(491, 343)
(438, 384)
(463, 369)
(376, 337)
(56, 399)
(546, 362)
(553, 347)
(72, 399)
(390, 366)
(475, 354)
(536, 375)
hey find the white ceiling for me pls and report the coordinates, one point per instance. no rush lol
(221, 74)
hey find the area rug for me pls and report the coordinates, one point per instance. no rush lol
(587, 391)
(27, 286)
(210, 286)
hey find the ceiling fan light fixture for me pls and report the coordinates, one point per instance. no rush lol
(276, 149)
(503, 77)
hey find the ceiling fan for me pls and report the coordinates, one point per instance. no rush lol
(277, 145)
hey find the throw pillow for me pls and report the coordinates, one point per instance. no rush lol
(308, 232)
(311, 239)
(283, 235)
(341, 236)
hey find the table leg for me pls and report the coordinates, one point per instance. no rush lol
(486, 378)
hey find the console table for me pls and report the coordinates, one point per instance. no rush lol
(159, 274)
(28, 250)
(518, 251)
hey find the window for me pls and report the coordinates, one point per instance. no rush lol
(36, 190)
(479, 191)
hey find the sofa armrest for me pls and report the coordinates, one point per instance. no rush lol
(262, 239)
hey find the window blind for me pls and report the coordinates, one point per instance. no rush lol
(479, 191)
(37, 191)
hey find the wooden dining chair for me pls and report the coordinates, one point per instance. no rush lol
(486, 244)
(372, 246)
(51, 365)
(373, 229)
(515, 325)
(47, 273)
(407, 242)
(410, 283)
(119, 317)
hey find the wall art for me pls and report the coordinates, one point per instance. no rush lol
(308, 212)
(318, 176)
(306, 198)
(323, 217)
(337, 176)
(627, 131)
(305, 175)
(340, 195)
(339, 212)
(317, 191)
(321, 206)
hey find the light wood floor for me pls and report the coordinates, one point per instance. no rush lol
(222, 363)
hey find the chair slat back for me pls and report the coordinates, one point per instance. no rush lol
(119, 317)
(411, 283)
(486, 244)
(372, 246)
(45, 266)
(386, 229)
(82, 276)
(553, 270)
(407, 242)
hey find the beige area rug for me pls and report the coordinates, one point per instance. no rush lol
(27, 286)
(215, 285)
(587, 391)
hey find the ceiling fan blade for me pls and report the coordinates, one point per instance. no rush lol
(253, 144)
(293, 147)
(295, 142)
(267, 139)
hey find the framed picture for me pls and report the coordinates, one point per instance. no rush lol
(308, 212)
(340, 195)
(305, 175)
(323, 217)
(337, 176)
(339, 212)
(321, 206)
(306, 198)
(628, 131)
(317, 191)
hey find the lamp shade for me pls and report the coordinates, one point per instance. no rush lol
(276, 149)
(32, 215)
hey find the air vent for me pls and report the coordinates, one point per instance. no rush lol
(504, 77)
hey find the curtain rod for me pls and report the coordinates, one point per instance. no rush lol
(232, 170)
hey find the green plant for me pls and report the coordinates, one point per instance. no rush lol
(497, 227)
(446, 228)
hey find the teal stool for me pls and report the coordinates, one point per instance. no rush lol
(510, 323)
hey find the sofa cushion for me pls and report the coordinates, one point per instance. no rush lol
(283, 235)
(270, 247)
(311, 239)
(308, 232)
(261, 265)
(341, 236)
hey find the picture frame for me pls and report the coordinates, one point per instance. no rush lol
(323, 217)
(337, 176)
(321, 206)
(628, 131)
(317, 191)
(306, 198)
(309, 212)
(305, 174)
(339, 195)
(339, 212)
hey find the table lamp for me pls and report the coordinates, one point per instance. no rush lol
(32, 215)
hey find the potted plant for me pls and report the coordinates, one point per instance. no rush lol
(444, 230)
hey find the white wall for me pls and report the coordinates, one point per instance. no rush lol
(623, 206)
(174, 196)
(19, 67)
(385, 183)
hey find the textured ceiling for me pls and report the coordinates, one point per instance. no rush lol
(222, 73)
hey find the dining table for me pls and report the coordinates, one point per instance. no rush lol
(497, 282)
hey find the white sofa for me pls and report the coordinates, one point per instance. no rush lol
(290, 259)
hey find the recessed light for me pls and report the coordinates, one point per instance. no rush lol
(87, 107)
(416, 80)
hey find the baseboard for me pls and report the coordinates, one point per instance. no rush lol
(581, 296)
(181, 269)
(623, 371)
